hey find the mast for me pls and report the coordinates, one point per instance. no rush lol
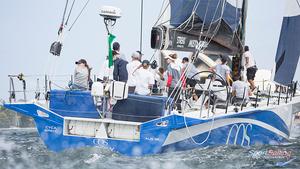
(141, 31)
(237, 60)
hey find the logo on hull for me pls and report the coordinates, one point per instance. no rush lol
(245, 136)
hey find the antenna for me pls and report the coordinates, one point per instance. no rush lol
(110, 15)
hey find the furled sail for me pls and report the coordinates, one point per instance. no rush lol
(288, 50)
(212, 25)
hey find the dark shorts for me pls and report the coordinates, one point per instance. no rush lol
(174, 93)
(251, 71)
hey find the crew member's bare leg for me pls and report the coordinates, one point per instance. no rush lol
(252, 85)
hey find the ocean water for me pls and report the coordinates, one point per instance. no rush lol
(23, 149)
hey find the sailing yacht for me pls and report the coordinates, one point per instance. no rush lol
(137, 125)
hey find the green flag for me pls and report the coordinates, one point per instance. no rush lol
(111, 38)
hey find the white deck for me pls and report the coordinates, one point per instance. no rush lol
(261, 105)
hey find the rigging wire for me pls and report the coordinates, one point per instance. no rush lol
(185, 23)
(153, 55)
(208, 134)
(191, 17)
(192, 26)
(162, 12)
(70, 11)
(298, 3)
(213, 18)
(63, 18)
(218, 25)
(79, 14)
(204, 20)
(164, 22)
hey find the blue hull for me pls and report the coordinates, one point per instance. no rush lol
(178, 133)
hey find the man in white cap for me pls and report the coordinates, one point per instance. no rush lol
(131, 69)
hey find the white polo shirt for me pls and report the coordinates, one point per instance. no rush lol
(239, 87)
(132, 69)
(144, 79)
(251, 61)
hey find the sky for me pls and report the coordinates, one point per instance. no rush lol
(29, 27)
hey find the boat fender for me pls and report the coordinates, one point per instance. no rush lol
(97, 89)
(119, 90)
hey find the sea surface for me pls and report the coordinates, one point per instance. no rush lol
(21, 148)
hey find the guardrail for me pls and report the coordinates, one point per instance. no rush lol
(30, 85)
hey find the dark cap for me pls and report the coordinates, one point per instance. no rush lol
(81, 61)
(116, 46)
(185, 59)
(145, 62)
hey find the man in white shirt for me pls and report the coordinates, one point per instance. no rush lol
(240, 90)
(250, 66)
(131, 69)
(145, 79)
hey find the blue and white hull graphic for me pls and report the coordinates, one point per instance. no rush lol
(168, 133)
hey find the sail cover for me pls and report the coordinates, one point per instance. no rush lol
(215, 24)
(288, 50)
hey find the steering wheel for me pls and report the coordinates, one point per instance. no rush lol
(207, 89)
